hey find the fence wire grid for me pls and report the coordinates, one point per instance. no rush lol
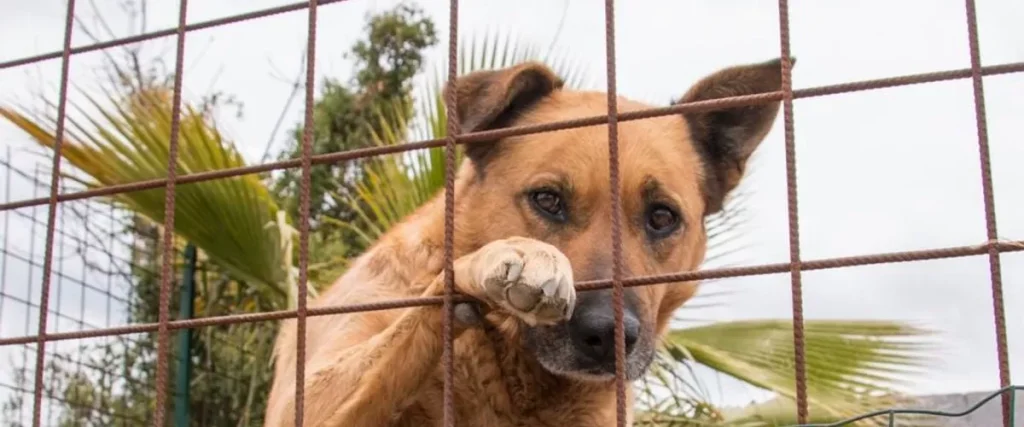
(106, 273)
(56, 199)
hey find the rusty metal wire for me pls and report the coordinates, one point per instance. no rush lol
(475, 137)
(583, 286)
(166, 267)
(992, 247)
(796, 279)
(448, 317)
(990, 210)
(93, 264)
(51, 217)
(164, 33)
(307, 151)
(618, 292)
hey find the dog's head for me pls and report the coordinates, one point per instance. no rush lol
(674, 171)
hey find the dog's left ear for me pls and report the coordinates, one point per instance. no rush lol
(489, 99)
(726, 138)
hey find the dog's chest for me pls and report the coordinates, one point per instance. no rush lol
(486, 396)
(495, 386)
(471, 412)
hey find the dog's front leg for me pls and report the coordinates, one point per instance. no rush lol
(367, 375)
(370, 383)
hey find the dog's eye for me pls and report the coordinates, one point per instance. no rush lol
(548, 203)
(661, 220)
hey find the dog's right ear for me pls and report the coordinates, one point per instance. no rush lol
(490, 99)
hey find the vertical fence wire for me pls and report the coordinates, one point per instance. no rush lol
(307, 152)
(58, 298)
(7, 233)
(83, 278)
(613, 176)
(58, 143)
(28, 312)
(796, 281)
(451, 99)
(167, 272)
(995, 269)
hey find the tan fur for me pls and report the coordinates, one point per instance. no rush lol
(383, 367)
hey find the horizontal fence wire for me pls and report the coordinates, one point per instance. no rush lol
(167, 32)
(482, 136)
(992, 247)
(584, 286)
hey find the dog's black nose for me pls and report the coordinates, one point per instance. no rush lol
(593, 333)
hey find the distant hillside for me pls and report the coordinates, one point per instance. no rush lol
(989, 414)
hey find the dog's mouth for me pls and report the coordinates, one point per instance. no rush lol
(602, 372)
(559, 353)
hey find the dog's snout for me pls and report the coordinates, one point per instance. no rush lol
(593, 332)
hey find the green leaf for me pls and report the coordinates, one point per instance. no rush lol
(852, 366)
(125, 138)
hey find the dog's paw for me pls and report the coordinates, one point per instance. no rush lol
(529, 278)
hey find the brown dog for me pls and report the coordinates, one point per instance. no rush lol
(533, 215)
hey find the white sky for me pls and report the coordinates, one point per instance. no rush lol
(879, 171)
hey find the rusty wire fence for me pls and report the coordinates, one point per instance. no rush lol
(46, 339)
(106, 272)
(91, 263)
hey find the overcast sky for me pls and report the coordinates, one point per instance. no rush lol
(879, 171)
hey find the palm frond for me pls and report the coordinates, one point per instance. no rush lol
(119, 139)
(852, 366)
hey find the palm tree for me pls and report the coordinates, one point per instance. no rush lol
(852, 366)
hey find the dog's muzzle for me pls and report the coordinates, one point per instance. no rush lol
(592, 328)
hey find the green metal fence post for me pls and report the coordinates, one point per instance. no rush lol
(185, 311)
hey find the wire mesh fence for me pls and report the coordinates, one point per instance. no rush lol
(53, 342)
(105, 273)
